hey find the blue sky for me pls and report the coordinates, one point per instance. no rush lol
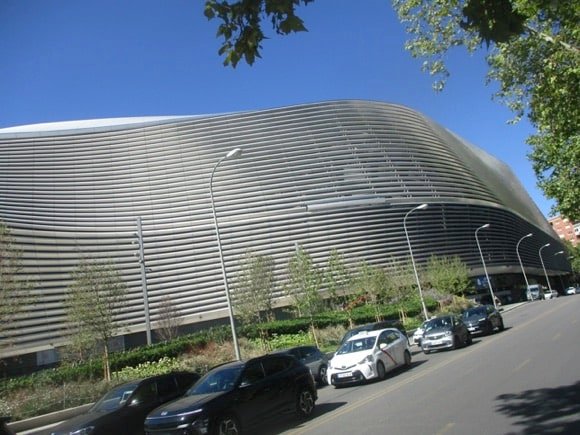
(66, 60)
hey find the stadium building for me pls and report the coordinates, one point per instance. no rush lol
(338, 175)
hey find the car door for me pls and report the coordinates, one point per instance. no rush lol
(386, 350)
(254, 400)
(129, 419)
(280, 376)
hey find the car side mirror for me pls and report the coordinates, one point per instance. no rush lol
(382, 346)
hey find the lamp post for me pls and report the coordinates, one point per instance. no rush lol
(483, 261)
(521, 265)
(419, 207)
(235, 153)
(544, 267)
(141, 256)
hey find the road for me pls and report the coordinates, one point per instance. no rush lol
(525, 380)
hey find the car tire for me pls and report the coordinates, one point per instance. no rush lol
(228, 424)
(407, 357)
(469, 339)
(304, 403)
(322, 379)
(426, 352)
(501, 326)
(381, 372)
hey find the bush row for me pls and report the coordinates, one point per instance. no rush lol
(189, 343)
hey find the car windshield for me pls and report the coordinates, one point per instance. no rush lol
(115, 398)
(477, 311)
(357, 345)
(440, 322)
(219, 380)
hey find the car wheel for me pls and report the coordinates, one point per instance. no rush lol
(304, 403)
(228, 425)
(455, 343)
(501, 327)
(322, 380)
(469, 339)
(407, 359)
(426, 352)
(381, 373)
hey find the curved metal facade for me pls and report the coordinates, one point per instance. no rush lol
(75, 189)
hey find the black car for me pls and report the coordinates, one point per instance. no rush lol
(312, 358)
(123, 409)
(445, 332)
(484, 319)
(374, 327)
(234, 397)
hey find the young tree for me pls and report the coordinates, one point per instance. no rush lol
(401, 286)
(169, 319)
(534, 56)
(95, 297)
(14, 291)
(448, 275)
(255, 290)
(304, 284)
(337, 277)
(373, 282)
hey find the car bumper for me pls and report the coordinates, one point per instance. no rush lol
(359, 373)
(441, 343)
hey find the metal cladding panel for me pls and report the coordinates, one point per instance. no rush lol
(334, 175)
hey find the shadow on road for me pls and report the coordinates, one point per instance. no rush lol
(545, 411)
(288, 421)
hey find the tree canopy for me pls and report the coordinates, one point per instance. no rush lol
(532, 52)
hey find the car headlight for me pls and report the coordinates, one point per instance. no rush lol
(448, 332)
(84, 431)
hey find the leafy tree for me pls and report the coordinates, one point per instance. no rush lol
(337, 277)
(304, 284)
(533, 54)
(447, 275)
(401, 286)
(14, 291)
(573, 254)
(95, 297)
(255, 290)
(373, 282)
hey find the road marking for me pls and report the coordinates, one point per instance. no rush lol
(446, 428)
(522, 365)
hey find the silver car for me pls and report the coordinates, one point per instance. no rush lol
(312, 358)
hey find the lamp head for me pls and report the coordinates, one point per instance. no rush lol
(423, 206)
(234, 154)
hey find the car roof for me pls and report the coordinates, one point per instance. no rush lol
(373, 333)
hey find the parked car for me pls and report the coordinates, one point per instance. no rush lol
(234, 397)
(418, 334)
(369, 355)
(123, 409)
(374, 327)
(571, 291)
(445, 332)
(312, 358)
(484, 319)
(550, 294)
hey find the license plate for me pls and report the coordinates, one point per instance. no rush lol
(436, 342)
(344, 375)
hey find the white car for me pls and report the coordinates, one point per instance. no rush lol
(368, 355)
(550, 294)
(418, 334)
(570, 291)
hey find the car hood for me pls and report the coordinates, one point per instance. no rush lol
(184, 405)
(80, 421)
(476, 318)
(436, 331)
(348, 359)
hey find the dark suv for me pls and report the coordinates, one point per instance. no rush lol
(234, 397)
(484, 319)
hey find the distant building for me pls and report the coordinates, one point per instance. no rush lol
(566, 229)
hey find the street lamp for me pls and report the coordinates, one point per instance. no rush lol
(483, 261)
(419, 207)
(544, 267)
(558, 253)
(235, 153)
(521, 265)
